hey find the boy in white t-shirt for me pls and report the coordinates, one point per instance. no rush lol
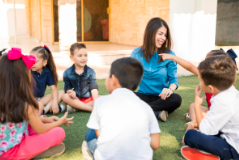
(125, 126)
(219, 129)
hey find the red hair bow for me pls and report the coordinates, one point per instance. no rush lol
(16, 53)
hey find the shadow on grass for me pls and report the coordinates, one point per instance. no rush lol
(171, 131)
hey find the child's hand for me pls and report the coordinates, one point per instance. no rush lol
(54, 108)
(66, 121)
(198, 92)
(72, 94)
(166, 56)
(52, 119)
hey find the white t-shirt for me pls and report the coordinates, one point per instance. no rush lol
(125, 123)
(223, 116)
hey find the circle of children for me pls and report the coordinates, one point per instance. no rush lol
(123, 125)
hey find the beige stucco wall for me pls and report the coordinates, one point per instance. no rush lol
(128, 18)
(39, 20)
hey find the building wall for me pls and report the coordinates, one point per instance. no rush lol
(128, 18)
(40, 20)
(7, 27)
(193, 27)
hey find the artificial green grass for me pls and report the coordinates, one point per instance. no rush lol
(171, 131)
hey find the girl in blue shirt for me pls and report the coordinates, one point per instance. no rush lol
(45, 74)
(160, 78)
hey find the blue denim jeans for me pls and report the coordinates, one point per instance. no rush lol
(211, 144)
(91, 140)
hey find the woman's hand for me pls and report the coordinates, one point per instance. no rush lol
(165, 93)
(66, 121)
(198, 99)
(166, 56)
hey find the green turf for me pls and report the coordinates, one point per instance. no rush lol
(171, 131)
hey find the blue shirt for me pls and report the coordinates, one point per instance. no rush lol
(82, 84)
(42, 80)
(156, 76)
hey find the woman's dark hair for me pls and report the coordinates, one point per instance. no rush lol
(15, 90)
(1, 52)
(149, 46)
(46, 54)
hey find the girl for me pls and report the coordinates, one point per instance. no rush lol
(44, 72)
(192, 68)
(18, 109)
(160, 78)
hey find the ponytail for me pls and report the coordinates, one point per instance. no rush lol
(2, 51)
(47, 55)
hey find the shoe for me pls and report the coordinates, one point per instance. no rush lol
(194, 154)
(70, 109)
(52, 152)
(85, 151)
(187, 117)
(61, 107)
(163, 116)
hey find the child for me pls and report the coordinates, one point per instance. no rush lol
(192, 68)
(18, 108)
(80, 81)
(44, 73)
(219, 129)
(125, 126)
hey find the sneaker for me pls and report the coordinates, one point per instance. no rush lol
(85, 151)
(70, 109)
(61, 107)
(163, 116)
(194, 154)
(52, 152)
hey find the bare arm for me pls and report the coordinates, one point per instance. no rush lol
(95, 93)
(97, 133)
(39, 127)
(185, 64)
(54, 93)
(155, 141)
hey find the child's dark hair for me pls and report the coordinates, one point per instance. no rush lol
(76, 46)
(1, 52)
(46, 54)
(218, 71)
(15, 90)
(216, 53)
(129, 72)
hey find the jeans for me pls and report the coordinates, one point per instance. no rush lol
(211, 144)
(91, 140)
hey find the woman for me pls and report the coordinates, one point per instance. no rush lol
(160, 77)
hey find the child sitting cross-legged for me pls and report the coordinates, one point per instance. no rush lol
(23, 134)
(80, 81)
(219, 130)
(122, 126)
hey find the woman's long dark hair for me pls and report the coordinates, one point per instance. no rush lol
(149, 47)
(15, 90)
(47, 55)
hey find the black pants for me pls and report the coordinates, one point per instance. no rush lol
(157, 104)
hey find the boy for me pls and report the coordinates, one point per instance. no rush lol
(219, 129)
(80, 81)
(125, 126)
